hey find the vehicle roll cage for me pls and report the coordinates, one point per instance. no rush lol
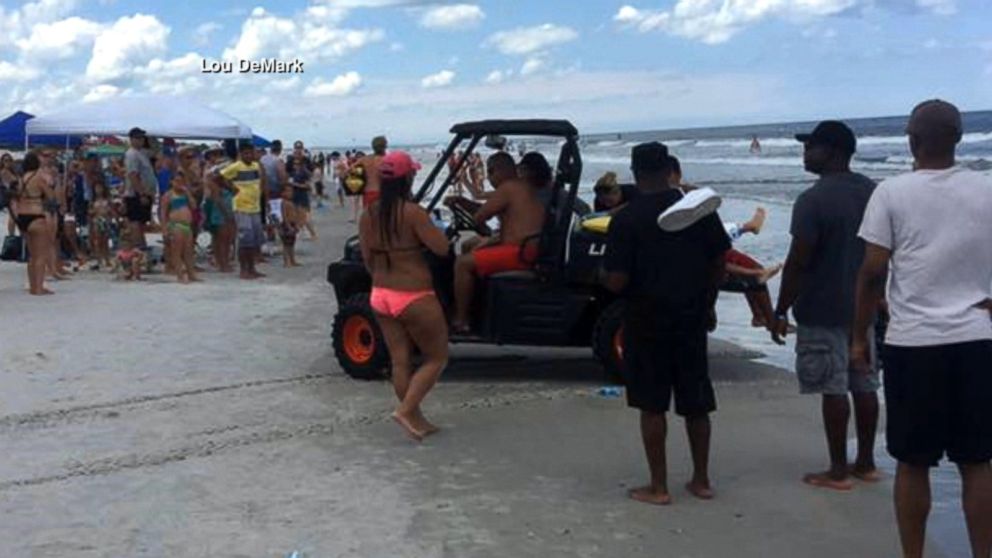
(568, 173)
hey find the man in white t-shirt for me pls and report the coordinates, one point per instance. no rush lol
(930, 233)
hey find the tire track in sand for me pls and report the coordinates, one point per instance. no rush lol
(234, 438)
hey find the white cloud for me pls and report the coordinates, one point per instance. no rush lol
(440, 79)
(495, 76)
(16, 24)
(939, 7)
(100, 92)
(201, 36)
(287, 84)
(262, 34)
(129, 41)
(452, 17)
(397, 47)
(267, 35)
(371, 3)
(531, 65)
(528, 40)
(338, 87)
(325, 42)
(717, 21)
(14, 72)
(59, 39)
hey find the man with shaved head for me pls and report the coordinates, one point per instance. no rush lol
(928, 232)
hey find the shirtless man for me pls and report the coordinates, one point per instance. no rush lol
(521, 217)
(370, 165)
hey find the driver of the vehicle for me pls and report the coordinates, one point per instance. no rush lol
(521, 214)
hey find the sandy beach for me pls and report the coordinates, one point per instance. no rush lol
(212, 420)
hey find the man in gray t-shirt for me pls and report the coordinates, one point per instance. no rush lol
(140, 185)
(818, 285)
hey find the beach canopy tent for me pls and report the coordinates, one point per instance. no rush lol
(259, 141)
(160, 116)
(12, 131)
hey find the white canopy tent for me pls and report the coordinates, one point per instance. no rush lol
(160, 116)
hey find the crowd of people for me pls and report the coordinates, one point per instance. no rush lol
(71, 211)
(924, 234)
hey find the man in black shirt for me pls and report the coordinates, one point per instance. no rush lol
(669, 281)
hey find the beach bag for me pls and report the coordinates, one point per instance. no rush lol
(354, 183)
(13, 249)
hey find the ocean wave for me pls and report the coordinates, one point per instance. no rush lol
(974, 137)
(794, 162)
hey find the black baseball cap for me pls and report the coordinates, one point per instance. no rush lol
(136, 133)
(831, 133)
(649, 157)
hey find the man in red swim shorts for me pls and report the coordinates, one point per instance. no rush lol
(521, 216)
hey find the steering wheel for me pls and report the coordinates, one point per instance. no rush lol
(465, 220)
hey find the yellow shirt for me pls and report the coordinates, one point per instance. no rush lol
(248, 180)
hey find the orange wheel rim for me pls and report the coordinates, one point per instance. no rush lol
(618, 345)
(359, 339)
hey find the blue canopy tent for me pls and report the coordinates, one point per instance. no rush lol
(259, 141)
(12, 134)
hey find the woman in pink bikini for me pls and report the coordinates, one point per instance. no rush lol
(394, 233)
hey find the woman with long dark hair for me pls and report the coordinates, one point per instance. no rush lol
(394, 232)
(32, 220)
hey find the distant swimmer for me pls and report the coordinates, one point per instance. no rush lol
(755, 145)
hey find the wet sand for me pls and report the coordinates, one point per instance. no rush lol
(212, 420)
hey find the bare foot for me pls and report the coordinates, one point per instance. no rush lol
(757, 222)
(247, 276)
(184, 280)
(757, 322)
(424, 425)
(42, 292)
(825, 480)
(648, 495)
(768, 273)
(408, 427)
(865, 474)
(258, 275)
(700, 490)
(195, 279)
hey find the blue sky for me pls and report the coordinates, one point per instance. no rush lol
(410, 68)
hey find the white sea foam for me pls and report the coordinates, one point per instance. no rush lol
(794, 162)
(976, 137)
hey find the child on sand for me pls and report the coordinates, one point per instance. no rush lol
(289, 227)
(130, 260)
(177, 222)
(101, 214)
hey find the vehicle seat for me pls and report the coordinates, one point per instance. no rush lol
(521, 274)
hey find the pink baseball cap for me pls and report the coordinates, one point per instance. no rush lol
(398, 164)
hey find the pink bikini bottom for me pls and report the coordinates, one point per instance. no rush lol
(392, 303)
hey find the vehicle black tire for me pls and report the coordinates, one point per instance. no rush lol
(358, 342)
(607, 342)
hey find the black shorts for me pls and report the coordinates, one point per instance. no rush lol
(939, 401)
(137, 212)
(670, 359)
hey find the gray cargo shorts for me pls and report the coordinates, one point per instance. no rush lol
(250, 233)
(823, 362)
